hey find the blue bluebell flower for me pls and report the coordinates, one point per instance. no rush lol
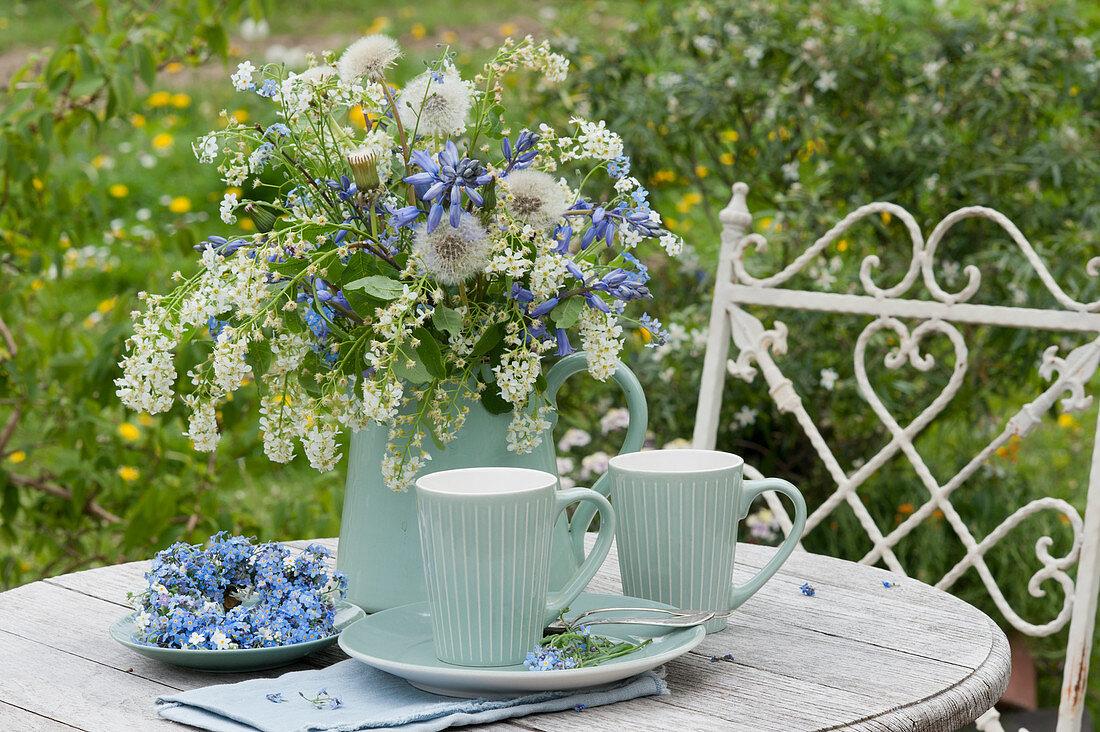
(450, 179)
(522, 154)
(544, 307)
(564, 349)
(220, 245)
(521, 294)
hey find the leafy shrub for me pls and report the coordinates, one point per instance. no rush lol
(823, 106)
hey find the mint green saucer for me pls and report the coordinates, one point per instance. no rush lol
(233, 660)
(399, 641)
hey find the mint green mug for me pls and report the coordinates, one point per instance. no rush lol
(486, 535)
(677, 514)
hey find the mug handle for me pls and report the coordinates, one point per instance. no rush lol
(632, 442)
(751, 489)
(558, 601)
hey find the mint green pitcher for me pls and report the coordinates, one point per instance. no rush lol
(379, 537)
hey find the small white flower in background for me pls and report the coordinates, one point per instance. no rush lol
(226, 207)
(826, 81)
(680, 443)
(292, 57)
(790, 170)
(254, 30)
(950, 271)
(615, 420)
(368, 58)
(594, 465)
(829, 378)
(762, 525)
(573, 437)
(705, 44)
(753, 54)
(566, 465)
(435, 103)
(745, 416)
(566, 482)
(242, 79)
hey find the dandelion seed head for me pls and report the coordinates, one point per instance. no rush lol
(453, 254)
(369, 57)
(535, 198)
(435, 103)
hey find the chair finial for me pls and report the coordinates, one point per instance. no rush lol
(736, 218)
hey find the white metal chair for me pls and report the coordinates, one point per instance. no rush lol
(911, 319)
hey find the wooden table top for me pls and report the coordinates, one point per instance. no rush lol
(855, 656)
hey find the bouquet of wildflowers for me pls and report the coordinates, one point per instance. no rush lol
(401, 271)
(234, 594)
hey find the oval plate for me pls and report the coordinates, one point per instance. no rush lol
(234, 660)
(399, 641)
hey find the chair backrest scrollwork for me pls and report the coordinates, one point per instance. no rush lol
(909, 321)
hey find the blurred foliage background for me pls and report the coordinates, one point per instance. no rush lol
(819, 106)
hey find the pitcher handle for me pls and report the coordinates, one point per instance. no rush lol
(632, 442)
(750, 490)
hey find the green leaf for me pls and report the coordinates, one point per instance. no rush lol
(291, 267)
(415, 374)
(428, 351)
(146, 64)
(378, 286)
(447, 320)
(493, 402)
(488, 339)
(259, 357)
(565, 315)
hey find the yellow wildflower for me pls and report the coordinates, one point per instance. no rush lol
(725, 158)
(17, 457)
(128, 431)
(181, 101)
(107, 305)
(702, 171)
(418, 30)
(162, 141)
(159, 99)
(119, 190)
(145, 419)
(241, 115)
(886, 217)
(730, 135)
(180, 204)
(508, 29)
(378, 25)
(842, 245)
(174, 68)
(1066, 420)
(356, 117)
(129, 473)
(137, 120)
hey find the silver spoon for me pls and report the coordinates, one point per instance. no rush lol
(674, 620)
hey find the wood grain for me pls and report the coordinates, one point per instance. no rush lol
(855, 656)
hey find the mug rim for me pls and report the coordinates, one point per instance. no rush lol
(489, 483)
(690, 460)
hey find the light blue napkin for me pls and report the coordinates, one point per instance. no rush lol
(370, 699)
